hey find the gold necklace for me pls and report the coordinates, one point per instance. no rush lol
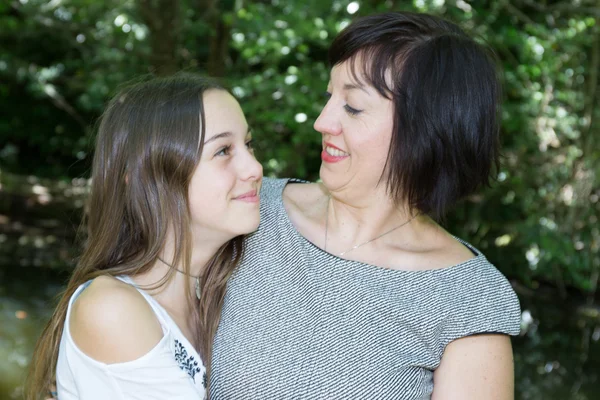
(363, 243)
(197, 278)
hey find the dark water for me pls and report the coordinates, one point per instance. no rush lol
(26, 298)
(557, 357)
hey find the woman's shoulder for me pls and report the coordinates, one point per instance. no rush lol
(271, 187)
(472, 294)
(469, 274)
(431, 247)
(295, 193)
(274, 187)
(112, 322)
(483, 280)
(480, 299)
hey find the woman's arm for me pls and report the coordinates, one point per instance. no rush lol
(476, 367)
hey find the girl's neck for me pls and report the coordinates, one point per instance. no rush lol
(176, 294)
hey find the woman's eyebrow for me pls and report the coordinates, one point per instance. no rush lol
(353, 86)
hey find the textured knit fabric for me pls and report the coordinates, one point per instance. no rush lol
(170, 370)
(301, 323)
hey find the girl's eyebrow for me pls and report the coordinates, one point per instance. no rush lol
(221, 136)
(218, 136)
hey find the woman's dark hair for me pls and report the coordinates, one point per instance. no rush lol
(446, 95)
(148, 145)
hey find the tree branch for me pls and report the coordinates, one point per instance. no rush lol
(518, 13)
(219, 36)
(162, 19)
(565, 6)
(590, 102)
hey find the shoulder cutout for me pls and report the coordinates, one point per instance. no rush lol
(112, 322)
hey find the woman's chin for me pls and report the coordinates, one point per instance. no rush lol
(330, 179)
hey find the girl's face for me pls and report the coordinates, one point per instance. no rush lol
(224, 190)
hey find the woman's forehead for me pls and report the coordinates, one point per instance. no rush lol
(357, 72)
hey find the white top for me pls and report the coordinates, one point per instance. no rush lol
(171, 370)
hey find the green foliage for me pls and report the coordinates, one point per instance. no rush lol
(61, 61)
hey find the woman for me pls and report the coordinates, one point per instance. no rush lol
(174, 186)
(349, 288)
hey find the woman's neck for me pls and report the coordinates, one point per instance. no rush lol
(354, 220)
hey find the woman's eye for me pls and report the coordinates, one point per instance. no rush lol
(350, 110)
(223, 151)
(327, 95)
(250, 144)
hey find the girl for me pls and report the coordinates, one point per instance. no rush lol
(174, 187)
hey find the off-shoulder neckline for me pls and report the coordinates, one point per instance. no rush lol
(477, 259)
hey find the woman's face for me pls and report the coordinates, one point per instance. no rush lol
(224, 200)
(356, 125)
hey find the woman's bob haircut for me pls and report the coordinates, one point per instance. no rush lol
(446, 95)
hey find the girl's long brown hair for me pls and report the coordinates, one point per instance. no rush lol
(148, 145)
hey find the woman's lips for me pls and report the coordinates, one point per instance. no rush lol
(333, 154)
(325, 156)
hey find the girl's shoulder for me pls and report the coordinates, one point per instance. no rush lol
(112, 322)
(116, 344)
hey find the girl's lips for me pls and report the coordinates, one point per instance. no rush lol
(250, 197)
(325, 156)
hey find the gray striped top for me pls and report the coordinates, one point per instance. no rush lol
(300, 323)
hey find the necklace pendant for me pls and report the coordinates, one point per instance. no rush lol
(198, 292)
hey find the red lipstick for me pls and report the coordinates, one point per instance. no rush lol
(328, 158)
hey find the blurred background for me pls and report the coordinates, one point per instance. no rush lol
(60, 60)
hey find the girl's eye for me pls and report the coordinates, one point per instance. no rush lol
(327, 95)
(249, 144)
(223, 151)
(351, 111)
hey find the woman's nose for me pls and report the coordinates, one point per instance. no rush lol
(328, 122)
